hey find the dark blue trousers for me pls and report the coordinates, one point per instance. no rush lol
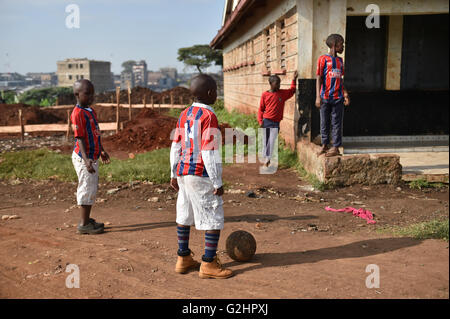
(332, 114)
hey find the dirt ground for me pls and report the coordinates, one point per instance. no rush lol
(303, 251)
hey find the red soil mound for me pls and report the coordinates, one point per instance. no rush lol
(30, 114)
(137, 96)
(149, 131)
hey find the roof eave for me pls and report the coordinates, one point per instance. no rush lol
(238, 12)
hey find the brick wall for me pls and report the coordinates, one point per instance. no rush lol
(248, 66)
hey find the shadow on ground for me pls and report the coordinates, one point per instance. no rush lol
(354, 250)
(250, 218)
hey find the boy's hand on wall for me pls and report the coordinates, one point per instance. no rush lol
(346, 100)
(174, 184)
(219, 191)
(318, 102)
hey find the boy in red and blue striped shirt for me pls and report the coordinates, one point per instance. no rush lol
(88, 149)
(331, 95)
(196, 174)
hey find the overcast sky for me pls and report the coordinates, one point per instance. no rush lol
(33, 33)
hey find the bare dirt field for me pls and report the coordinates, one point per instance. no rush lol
(303, 251)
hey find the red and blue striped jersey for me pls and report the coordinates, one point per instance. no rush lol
(331, 69)
(86, 127)
(197, 130)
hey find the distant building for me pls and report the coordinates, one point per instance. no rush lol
(153, 78)
(14, 76)
(126, 80)
(43, 79)
(140, 73)
(164, 79)
(98, 72)
(170, 72)
(12, 80)
(116, 79)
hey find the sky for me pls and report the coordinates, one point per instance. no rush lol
(34, 34)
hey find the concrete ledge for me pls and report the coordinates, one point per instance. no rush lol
(431, 178)
(350, 169)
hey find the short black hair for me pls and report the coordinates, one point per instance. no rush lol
(201, 83)
(274, 78)
(333, 39)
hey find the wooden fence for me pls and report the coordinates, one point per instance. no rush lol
(68, 127)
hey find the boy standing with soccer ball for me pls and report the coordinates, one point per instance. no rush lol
(196, 173)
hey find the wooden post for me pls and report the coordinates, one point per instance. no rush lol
(68, 126)
(117, 109)
(152, 101)
(181, 100)
(171, 98)
(22, 129)
(129, 104)
(159, 105)
(145, 105)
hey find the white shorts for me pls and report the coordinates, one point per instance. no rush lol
(87, 182)
(197, 204)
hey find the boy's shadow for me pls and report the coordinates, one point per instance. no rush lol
(137, 227)
(357, 249)
(250, 218)
(253, 218)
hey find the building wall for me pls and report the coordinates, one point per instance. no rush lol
(248, 59)
(98, 72)
(71, 70)
(252, 51)
(100, 75)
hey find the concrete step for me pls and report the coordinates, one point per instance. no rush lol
(395, 144)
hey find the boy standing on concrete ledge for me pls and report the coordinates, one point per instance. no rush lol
(331, 95)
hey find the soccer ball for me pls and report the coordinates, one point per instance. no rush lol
(241, 245)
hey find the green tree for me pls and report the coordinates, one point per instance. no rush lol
(44, 97)
(200, 56)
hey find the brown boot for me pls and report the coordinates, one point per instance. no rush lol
(214, 270)
(184, 263)
(334, 151)
(323, 150)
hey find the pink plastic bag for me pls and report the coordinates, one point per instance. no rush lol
(361, 213)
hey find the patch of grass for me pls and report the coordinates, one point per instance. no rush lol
(423, 183)
(311, 178)
(37, 164)
(44, 164)
(175, 112)
(226, 184)
(434, 229)
(151, 166)
(287, 158)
